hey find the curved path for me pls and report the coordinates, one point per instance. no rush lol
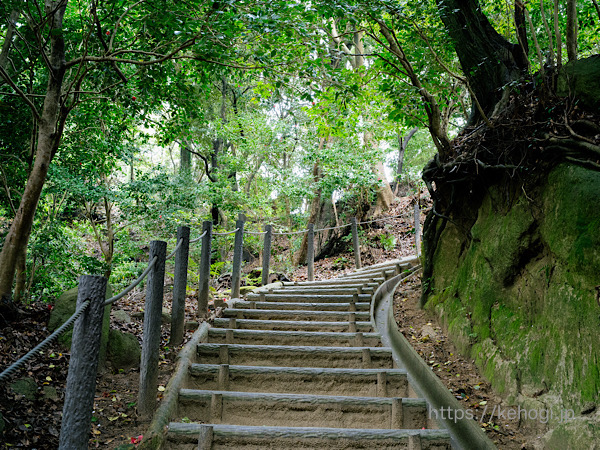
(302, 366)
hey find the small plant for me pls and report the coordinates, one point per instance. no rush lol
(387, 241)
(340, 263)
(216, 269)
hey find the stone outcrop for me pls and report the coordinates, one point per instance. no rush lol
(517, 288)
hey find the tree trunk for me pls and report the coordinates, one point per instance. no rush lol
(557, 35)
(402, 144)
(315, 206)
(10, 32)
(488, 61)
(185, 165)
(49, 134)
(572, 29)
(21, 277)
(385, 196)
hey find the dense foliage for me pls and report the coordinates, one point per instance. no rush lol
(176, 112)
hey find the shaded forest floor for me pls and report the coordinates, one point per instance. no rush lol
(33, 421)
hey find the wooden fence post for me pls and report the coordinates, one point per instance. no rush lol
(266, 254)
(310, 252)
(151, 337)
(356, 243)
(180, 286)
(238, 249)
(203, 290)
(83, 365)
(418, 228)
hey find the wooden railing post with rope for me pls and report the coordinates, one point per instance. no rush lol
(151, 334)
(81, 380)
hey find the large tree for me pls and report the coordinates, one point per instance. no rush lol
(87, 52)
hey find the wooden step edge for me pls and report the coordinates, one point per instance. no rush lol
(391, 374)
(194, 430)
(191, 395)
(242, 348)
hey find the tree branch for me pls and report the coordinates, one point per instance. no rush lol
(21, 94)
(203, 158)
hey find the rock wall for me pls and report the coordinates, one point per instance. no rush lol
(517, 288)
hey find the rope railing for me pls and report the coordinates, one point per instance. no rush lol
(199, 238)
(177, 247)
(334, 228)
(382, 219)
(155, 272)
(227, 232)
(129, 288)
(289, 233)
(14, 367)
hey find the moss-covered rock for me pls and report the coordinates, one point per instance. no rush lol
(27, 387)
(581, 79)
(123, 350)
(577, 433)
(65, 306)
(517, 291)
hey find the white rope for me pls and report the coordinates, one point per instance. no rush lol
(176, 248)
(198, 238)
(289, 232)
(125, 291)
(334, 228)
(225, 234)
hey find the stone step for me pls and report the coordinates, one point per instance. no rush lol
(336, 282)
(327, 290)
(376, 273)
(289, 325)
(186, 436)
(297, 315)
(314, 298)
(299, 380)
(301, 410)
(296, 356)
(378, 269)
(360, 306)
(314, 338)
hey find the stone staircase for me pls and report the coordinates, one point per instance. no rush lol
(300, 367)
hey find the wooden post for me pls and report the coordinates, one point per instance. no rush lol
(83, 365)
(418, 228)
(180, 286)
(310, 252)
(238, 249)
(266, 254)
(356, 243)
(151, 334)
(203, 290)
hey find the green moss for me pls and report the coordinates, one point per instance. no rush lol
(576, 434)
(519, 297)
(123, 350)
(65, 306)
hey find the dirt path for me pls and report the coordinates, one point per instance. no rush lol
(459, 374)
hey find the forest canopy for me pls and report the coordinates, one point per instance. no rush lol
(122, 119)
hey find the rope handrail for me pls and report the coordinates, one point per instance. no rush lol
(199, 238)
(285, 233)
(125, 291)
(380, 220)
(177, 247)
(334, 228)
(226, 233)
(12, 369)
(40, 347)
